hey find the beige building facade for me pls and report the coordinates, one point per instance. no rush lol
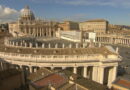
(98, 25)
(68, 25)
(113, 39)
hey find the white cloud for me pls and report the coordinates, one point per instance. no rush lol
(115, 3)
(8, 14)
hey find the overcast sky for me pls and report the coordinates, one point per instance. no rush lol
(115, 11)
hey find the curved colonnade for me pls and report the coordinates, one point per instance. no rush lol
(96, 66)
(113, 39)
(88, 65)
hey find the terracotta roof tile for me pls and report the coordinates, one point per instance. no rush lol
(124, 83)
(55, 80)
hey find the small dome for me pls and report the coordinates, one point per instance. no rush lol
(27, 13)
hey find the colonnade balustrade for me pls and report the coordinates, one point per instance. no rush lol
(99, 39)
(113, 40)
(29, 58)
(24, 44)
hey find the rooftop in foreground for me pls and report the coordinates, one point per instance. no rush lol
(61, 81)
(8, 73)
(63, 51)
(122, 82)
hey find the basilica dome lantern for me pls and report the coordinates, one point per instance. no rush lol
(27, 14)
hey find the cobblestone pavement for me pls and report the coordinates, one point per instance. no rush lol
(125, 64)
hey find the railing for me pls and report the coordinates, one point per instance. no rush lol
(112, 40)
(21, 43)
(50, 58)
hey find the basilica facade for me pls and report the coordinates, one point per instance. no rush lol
(28, 25)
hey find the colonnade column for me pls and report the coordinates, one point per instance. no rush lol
(1, 66)
(40, 32)
(75, 70)
(85, 72)
(21, 67)
(63, 68)
(28, 30)
(17, 67)
(95, 73)
(30, 69)
(101, 74)
(35, 69)
(52, 68)
(112, 75)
